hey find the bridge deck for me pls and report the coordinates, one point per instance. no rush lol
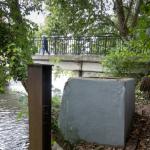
(90, 66)
(68, 58)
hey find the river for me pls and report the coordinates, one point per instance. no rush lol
(13, 129)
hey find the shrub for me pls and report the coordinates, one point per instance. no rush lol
(126, 62)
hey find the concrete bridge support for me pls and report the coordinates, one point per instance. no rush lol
(97, 110)
(84, 66)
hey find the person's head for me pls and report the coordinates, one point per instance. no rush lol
(43, 36)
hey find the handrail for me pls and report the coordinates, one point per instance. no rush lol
(89, 45)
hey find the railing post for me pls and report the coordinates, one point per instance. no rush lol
(55, 51)
(105, 45)
(39, 82)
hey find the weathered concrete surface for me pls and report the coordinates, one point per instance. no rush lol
(72, 58)
(97, 110)
(70, 62)
(86, 63)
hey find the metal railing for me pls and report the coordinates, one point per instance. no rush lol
(90, 45)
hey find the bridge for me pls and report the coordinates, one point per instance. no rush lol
(79, 54)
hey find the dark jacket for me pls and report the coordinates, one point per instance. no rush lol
(45, 44)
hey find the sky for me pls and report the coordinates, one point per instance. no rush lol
(37, 18)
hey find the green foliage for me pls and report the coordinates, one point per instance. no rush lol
(90, 17)
(135, 56)
(57, 137)
(140, 35)
(77, 18)
(16, 32)
(125, 62)
(3, 78)
(23, 102)
(55, 112)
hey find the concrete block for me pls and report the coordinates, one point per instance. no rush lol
(97, 110)
(86, 66)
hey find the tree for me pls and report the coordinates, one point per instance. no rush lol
(128, 18)
(16, 33)
(134, 58)
(93, 16)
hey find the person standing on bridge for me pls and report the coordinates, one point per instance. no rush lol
(45, 45)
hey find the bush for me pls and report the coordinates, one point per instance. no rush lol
(56, 135)
(126, 62)
(4, 77)
(55, 112)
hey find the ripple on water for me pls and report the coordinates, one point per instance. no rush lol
(13, 132)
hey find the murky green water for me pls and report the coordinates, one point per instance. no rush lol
(13, 132)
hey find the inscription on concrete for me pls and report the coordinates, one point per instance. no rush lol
(97, 110)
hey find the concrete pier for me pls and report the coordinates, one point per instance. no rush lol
(97, 110)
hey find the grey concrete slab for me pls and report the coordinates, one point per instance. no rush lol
(97, 110)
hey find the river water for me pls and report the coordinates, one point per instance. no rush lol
(13, 129)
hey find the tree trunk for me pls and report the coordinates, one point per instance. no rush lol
(123, 29)
(137, 11)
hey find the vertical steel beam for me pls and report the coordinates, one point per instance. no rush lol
(81, 70)
(39, 81)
